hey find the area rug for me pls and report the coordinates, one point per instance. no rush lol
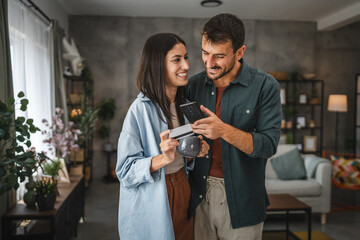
(315, 235)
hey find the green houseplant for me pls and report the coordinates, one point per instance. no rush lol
(52, 168)
(106, 112)
(15, 162)
(46, 194)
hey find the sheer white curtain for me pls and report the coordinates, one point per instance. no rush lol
(30, 58)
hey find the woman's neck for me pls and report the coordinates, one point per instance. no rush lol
(171, 93)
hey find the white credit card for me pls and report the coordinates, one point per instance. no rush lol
(181, 132)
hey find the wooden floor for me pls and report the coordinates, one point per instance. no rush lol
(102, 206)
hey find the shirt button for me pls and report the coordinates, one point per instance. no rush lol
(200, 196)
(248, 111)
(212, 93)
(207, 156)
(204, 177)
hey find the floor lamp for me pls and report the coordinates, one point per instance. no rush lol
(337, 103)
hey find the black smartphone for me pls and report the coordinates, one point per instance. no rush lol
(192, 111)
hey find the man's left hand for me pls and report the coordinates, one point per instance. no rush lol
(211, 127)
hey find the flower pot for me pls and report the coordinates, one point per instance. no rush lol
(78, 156)
(77, 170)
(46, 202)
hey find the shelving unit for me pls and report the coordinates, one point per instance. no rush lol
(304, 99)
(79, 94)
(357, 113)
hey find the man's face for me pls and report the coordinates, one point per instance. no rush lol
(219, 59)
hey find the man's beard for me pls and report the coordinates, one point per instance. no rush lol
(222, 74)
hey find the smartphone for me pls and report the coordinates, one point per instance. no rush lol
(192, 111)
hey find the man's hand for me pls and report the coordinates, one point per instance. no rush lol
(211, 127)
(204, 147)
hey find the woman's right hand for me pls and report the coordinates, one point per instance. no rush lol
(168, 146)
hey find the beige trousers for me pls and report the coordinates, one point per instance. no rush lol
(212, 218)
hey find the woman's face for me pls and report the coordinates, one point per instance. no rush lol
(176, 67)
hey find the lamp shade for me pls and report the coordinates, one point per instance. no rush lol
(337, 103)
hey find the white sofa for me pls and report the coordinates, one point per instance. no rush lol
(315, 191)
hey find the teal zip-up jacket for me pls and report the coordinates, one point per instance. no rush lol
(250, 103)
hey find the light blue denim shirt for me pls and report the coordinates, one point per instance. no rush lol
(144, 211)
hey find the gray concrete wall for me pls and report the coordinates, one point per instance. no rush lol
(112, 47)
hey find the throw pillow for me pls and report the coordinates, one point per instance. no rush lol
(346, 172)
(289, 166)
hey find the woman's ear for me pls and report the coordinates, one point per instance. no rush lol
(240, 52)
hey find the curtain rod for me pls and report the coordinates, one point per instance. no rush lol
(37, 9)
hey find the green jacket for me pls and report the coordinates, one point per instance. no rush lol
(251, 103)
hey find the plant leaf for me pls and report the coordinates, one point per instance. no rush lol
(21, 119)
(21, 94)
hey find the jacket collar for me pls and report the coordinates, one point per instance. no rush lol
(242, 78)
(142, 97)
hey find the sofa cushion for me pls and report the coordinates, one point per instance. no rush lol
(281, 149)
(296, 188)
(289, 166)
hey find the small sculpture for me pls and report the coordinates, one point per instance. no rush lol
(72, 54)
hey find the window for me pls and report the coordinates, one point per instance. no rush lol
(30, 59)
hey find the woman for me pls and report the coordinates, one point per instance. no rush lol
(154, 191)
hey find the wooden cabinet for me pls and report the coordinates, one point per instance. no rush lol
(303, 106)
(56, 224)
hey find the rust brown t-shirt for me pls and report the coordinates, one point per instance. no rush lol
(216, 169)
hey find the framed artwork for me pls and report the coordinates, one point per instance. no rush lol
(301, 121)
(303, 98)
(309, 143)
(283, 96)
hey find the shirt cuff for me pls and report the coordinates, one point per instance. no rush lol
(257, 143)
(152, 176)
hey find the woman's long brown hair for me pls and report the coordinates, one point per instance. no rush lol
(152, 73)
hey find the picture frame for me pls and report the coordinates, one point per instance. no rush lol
(303, 98)
(310, 143)
(300, 121)
(283, 96)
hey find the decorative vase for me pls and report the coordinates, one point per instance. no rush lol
(30, 196)
(46, 202)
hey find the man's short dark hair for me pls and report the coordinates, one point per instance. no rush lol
(224, 27)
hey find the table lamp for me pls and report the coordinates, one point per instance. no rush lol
(337, 103)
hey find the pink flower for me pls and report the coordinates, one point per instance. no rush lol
(62, 138)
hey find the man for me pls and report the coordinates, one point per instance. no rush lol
(243, 128)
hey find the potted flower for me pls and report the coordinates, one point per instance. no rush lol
(61, 138)
(15, 162)
(46, 194)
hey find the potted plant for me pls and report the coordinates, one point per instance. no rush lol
(106, 112)
(52, 168)
(46, 194)
(314, 96)
(15, 162)
(289, 113)
(63, 139)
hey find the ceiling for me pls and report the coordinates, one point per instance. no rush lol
(329, 14)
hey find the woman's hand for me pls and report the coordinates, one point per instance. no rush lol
(204, 147)
(168, 147)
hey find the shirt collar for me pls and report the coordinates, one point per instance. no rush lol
(142, 97)
(242, 78)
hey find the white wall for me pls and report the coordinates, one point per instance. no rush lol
(54, 10)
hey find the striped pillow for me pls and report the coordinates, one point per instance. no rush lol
(346, 172)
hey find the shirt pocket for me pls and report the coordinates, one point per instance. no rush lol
(244, 118)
